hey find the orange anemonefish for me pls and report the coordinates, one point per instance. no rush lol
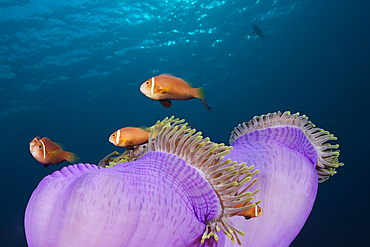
(129, 137)
(49, 153)
(254, 212)
(167, 87)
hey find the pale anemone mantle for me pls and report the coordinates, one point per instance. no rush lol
(179, 192)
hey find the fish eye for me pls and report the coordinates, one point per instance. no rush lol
(114, 135)
(40, 146)
(147, 82)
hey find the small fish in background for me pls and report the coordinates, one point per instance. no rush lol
(250, 213)
(129, 137)
(258, 31)
(167, 87)
(49, 153)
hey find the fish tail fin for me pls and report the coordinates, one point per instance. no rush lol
(202, 97)
(71, 157)
(201, 94)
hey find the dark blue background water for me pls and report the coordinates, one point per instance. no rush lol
(71, 70)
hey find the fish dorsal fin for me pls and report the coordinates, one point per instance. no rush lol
(60, 145)
(186, 81)
(144, 128)
(163, 90)
(168, 74)
(166, 103)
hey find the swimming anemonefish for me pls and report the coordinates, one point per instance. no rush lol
(49, 153)
(167, 87)
(250, 213)
(129, 137)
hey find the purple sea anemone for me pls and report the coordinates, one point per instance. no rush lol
(180, 189)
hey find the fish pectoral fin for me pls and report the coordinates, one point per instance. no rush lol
(166, 103)
(163, 90)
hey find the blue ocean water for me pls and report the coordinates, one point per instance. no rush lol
(71, 71)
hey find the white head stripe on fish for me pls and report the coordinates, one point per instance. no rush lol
(152, 89)
(117, 137)
(255, 211)
(43, 145)
(35, 139)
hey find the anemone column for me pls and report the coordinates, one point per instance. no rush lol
(292, 158)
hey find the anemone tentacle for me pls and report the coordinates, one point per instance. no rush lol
(327, 158)
(225, 176)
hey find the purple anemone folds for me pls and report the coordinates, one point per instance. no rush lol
(131, 204)
(179, 191)
(292, 157)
